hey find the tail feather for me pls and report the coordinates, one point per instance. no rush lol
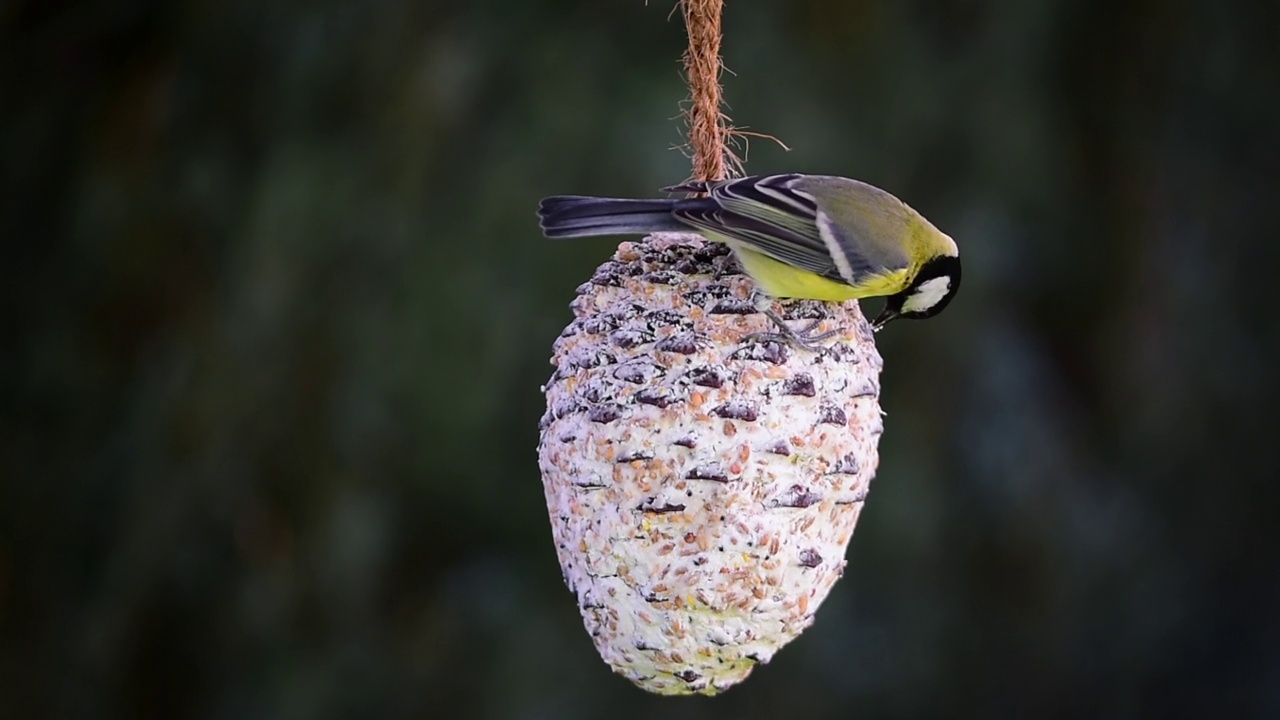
(571, 216)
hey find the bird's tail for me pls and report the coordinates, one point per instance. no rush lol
(571, 216)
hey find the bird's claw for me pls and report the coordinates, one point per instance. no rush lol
(804, 338)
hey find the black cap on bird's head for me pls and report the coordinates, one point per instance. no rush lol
(928, 294)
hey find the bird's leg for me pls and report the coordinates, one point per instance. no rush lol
(804, 338)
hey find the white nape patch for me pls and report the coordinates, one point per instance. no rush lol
(927, 295)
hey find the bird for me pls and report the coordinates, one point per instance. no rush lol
(798, 236)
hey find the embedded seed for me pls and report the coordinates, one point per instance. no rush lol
(604, 414)
(738, 410)
(683, 343)
(831, 415)
(799, 384)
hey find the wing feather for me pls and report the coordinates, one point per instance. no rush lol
(837, 228)
(764, 214)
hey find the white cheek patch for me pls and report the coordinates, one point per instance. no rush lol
(927, 295)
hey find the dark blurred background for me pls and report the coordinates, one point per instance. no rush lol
(276, 312)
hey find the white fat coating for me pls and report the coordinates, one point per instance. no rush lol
(929, 293)
(701, 537)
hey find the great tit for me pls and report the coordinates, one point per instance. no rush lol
(816, 237)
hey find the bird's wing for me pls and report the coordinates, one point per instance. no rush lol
(866, 224)
(762, 213)
(778, 216)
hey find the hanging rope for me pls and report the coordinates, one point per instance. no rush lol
(708, 127)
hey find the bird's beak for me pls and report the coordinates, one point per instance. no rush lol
(883, 319)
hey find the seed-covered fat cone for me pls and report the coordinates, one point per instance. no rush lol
(703, 485)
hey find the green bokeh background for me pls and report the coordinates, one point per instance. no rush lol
(276, 312)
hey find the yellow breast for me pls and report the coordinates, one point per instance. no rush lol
(784, 281)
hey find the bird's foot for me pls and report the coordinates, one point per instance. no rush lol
(804, 338)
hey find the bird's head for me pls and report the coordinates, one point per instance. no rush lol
(928, 294)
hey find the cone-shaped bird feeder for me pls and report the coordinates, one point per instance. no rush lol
(703, 481)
